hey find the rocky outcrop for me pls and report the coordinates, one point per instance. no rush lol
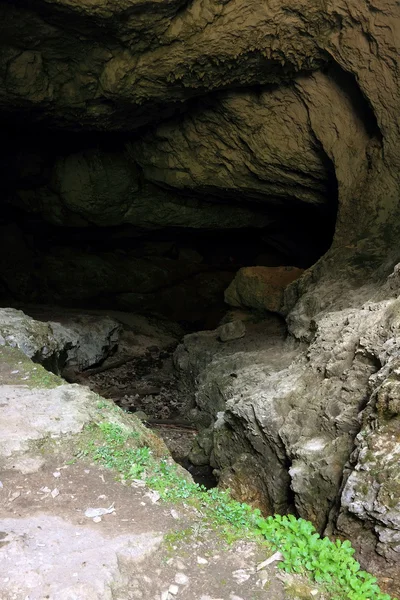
(104, 188)
(317, 126)
(70, 340)
(295, 415)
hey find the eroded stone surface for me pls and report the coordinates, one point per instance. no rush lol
(297, 414)
(69, 340)
(46, 556)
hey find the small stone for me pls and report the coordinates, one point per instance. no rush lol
(164, 595)
(314, 592)
(202, 561)
(181, 579)
(137, 483)
(241, 575)
(154, 496)
(173, 589)
(264, 576)
(14, 496)
(55, 493)
(97, 520)
(231, 331)
(141, 415)
(57, 474)
(175, 514)
(14, 372)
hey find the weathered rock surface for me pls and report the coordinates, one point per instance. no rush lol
(261, 288)
(320, 125)
(299, 413)
(71, 340)
(253, 145)
(104, 188)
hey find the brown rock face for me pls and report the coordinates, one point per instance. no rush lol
(261, 288)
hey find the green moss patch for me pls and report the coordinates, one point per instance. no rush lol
(18, 369)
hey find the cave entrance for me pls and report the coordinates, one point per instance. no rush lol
(83, 231)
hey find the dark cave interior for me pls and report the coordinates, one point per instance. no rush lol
(178, 272)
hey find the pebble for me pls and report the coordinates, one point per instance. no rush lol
(264, 577)
(173, 589)
(55, 493)
(57, 474)
(241, 575)
(154, 496)
(202, 561)
(181, 579)
(97, 520)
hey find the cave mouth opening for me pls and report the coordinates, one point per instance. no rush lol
(168, 277)
(84, 225)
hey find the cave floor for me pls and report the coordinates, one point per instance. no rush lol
(146, 384)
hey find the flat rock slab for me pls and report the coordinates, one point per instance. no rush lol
(50, 549)
(47, 557)
(33, 414)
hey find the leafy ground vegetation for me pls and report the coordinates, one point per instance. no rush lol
(330, 564)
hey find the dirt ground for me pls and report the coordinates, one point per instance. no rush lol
(50, 549)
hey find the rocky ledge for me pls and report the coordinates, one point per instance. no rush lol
(311, 428)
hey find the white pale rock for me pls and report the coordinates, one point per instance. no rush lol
(181, 579)
(173, 589)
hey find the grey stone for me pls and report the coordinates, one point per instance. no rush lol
(71, 340)
(66, 549)
(231, 331)
(296, 412)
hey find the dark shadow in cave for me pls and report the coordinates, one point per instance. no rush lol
(177, 273)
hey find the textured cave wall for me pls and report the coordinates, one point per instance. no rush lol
(117, 68)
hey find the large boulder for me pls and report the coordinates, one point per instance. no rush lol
(68, 340)
(261, 288)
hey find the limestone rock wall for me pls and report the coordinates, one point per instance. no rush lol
(317, 423)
